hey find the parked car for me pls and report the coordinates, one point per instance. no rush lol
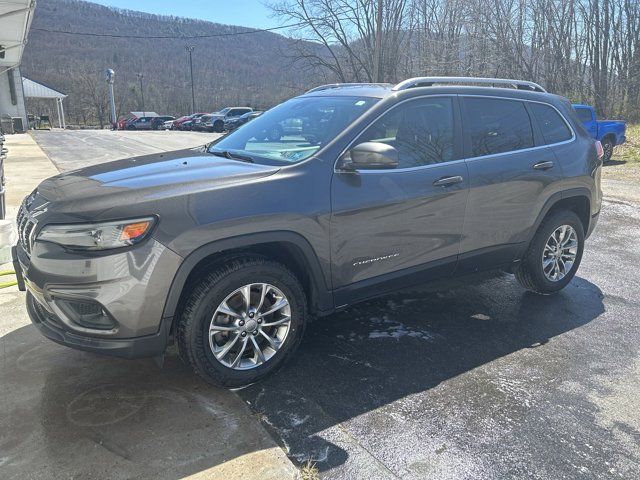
(611, 133)
(176, 123)
(168, 125)
(217, 119)
(179, 123)
(230, 249)
(231, 124)
(142, 123)
(121, 124)
(190, 122)
(202, 124)
(158, 123)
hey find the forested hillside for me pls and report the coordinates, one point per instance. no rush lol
(250, 69)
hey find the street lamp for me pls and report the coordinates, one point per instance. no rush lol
(140, 77)
(190, 49)
(112, 102)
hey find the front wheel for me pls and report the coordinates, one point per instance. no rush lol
(242, 321)
(554, 255)
(218, 126)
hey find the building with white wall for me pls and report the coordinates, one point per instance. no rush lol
(15, 20)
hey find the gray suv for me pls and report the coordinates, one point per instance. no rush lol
(229, 249)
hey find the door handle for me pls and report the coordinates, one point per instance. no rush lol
(544, 165)
(447, 181)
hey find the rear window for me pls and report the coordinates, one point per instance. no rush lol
(554, 129)
(584, 114)
(497, 126)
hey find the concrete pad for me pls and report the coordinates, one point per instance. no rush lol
(24, 168)
(71, 414)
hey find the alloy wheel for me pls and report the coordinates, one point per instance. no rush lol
(250, 326)
(559, 253)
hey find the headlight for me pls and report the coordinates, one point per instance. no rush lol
(98, 236)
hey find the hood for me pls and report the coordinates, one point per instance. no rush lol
(148, 178)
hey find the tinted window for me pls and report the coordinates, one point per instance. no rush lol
(497, 126)
(553, 127)
(422, 131)
(584, 114)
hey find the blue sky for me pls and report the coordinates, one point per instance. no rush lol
(246, 13)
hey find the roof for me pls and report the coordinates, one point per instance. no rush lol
(352, 90)
(385, 93)
(449, 85)
(144, 114)
(34, 89)
(15, 20)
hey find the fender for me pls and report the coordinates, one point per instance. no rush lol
(320, 292)
(551, 201)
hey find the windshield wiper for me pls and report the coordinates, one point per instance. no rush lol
(231, 156)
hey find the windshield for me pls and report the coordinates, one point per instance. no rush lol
(295, 130)
(224, 111)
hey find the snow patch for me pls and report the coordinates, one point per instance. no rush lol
(391, 329)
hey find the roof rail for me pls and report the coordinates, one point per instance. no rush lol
(341, 85)
(430, 81)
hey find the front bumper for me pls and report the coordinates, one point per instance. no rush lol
(109, 303)
(139, 347)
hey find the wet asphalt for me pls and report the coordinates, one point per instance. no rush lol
(476, 379)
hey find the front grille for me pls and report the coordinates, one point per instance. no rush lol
(26, 226)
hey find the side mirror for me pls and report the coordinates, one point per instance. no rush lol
(370, 156)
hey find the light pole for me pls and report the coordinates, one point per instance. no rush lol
(112, 102)
(190, 49)
(377, 54)
(140, 77)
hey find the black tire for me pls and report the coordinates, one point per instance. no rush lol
(218, 126)
(607, 146)
(210, 291)
(131, 127)
(529, 272)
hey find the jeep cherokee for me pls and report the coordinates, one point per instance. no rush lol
(230, 248)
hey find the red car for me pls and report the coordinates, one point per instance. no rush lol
(177, 124)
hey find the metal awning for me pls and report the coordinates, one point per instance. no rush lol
(15, 20)
(33, 89)
(38, 90)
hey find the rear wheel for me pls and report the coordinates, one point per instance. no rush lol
(554, 254)
(607, 147)
(242, 321)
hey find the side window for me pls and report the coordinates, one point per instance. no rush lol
(584, 114)
(421, 130)
(497, 126)
(554, 129)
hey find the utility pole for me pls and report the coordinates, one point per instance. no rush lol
(112, 101)
(140, 77)
(377, 54)
(190, 49)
